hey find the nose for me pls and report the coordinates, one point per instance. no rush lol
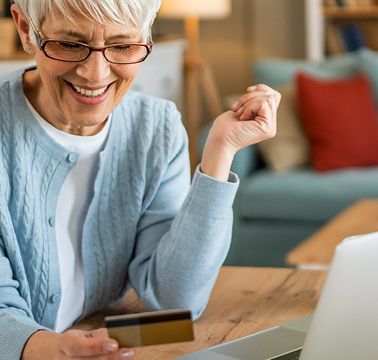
(95, 68)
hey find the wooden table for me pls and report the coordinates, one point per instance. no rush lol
(361, 217)
(244, 300)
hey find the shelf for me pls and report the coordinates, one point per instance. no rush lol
(352, 13)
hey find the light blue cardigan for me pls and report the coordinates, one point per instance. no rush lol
(146, 226)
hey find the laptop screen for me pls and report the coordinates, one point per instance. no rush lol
(345, 322)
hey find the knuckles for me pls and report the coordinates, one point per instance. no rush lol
(271, 133)
(260, 103)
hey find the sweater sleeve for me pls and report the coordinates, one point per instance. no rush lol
(16, 320)
(183, 237)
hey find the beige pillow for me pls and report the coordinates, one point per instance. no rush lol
(289, 148)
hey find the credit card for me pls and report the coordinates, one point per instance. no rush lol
(151, 328)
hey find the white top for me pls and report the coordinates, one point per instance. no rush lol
(72, 206)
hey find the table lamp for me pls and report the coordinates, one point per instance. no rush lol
(198, 75)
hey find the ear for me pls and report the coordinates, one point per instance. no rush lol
(22, 25)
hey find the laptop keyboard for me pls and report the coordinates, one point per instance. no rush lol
(294, 355)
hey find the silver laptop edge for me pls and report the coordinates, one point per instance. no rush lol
(345, 322)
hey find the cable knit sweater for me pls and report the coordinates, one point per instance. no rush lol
(146, 226)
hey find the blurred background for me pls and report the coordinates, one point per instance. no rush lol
(320, 54)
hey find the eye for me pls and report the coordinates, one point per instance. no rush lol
(69, 45)
(123, 48)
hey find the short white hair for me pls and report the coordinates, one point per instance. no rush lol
(137, 14)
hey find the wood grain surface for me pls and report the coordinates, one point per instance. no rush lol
(244, 300)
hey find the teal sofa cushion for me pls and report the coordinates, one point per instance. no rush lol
(303, 195)
(368, 64)
(266, 242)
(276, 72)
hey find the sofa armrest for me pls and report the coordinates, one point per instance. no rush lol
(245, 162)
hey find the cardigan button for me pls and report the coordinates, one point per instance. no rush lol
(54, 298)
(52, 221)
(71, 158)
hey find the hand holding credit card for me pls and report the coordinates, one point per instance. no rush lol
(151, 328)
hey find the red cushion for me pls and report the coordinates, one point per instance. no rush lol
(340, 119)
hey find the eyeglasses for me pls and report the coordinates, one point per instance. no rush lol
(71, 51)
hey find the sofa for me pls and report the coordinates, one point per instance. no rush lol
(282, 198)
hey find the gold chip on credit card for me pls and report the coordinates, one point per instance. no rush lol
(151, 328)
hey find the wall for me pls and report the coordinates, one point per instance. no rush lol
(278, 28)
(256, 29)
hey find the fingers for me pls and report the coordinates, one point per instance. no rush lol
(92, 344)
(259, 87)
(114, 356)
(260, 101)
(252, 119)
(274, 99)
(99, 333)
(122, 354)
(266, 123)
(254, 106)
(257, 93)
(89, 346)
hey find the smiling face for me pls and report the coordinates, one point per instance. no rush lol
(78, 97)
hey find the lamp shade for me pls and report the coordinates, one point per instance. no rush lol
(198, 8)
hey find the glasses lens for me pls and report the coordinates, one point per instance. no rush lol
(126, 53)
(68, 51)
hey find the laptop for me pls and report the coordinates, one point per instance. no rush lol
(344, 325)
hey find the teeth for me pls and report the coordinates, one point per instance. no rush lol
(89, 93)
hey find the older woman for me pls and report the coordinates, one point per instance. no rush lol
(95, 194)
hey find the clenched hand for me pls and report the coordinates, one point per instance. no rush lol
(253, 118)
